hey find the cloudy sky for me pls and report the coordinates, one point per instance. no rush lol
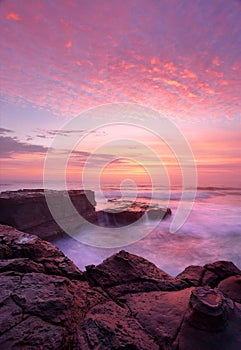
(179, 57)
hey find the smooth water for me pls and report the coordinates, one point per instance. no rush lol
(211, 232)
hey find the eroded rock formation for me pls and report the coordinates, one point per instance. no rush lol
(27, 210)
(126, 302)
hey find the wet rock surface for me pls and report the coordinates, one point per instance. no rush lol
(117, 219)
(126, 302)
(111, 217)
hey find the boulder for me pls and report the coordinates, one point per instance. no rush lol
(125, 273)
(218, 271)
(192, 275)
(211, 322)
(231, 288)
(208, 309)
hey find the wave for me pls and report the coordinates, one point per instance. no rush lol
(158, 195)
(213, 188)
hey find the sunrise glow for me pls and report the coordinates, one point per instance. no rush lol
(182, 60)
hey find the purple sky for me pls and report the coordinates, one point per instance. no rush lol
(181, 58)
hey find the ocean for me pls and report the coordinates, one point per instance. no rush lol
(211, 232)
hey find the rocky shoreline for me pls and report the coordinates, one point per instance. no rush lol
(28, 210)
(126, 302)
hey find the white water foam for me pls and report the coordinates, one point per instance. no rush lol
(212, 232)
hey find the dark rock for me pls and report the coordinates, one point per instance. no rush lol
(160, 313)
(34, 333)
(192, 275)
(17, 248)
(28, 210)
(124, 303)
(125, 273)
(118, 291)
(11, 314)
(8, 283)
(218, 271)
(231, 288)
(118, 218)
(210, 279)
(124, 267)
(208, 310)
(41, 306)
(211, 322)
(223, 269)
(21, 265)
(109, 326)
(158, 213)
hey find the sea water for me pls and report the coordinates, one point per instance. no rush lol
(211, 232)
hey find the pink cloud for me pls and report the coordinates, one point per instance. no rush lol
(188, 74)
(154, 60)
(68, 45)
(13, 16)
(216, 61)
(159, 63)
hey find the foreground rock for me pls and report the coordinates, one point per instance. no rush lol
(126, 302)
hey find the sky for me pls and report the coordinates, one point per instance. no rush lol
(61, 58)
